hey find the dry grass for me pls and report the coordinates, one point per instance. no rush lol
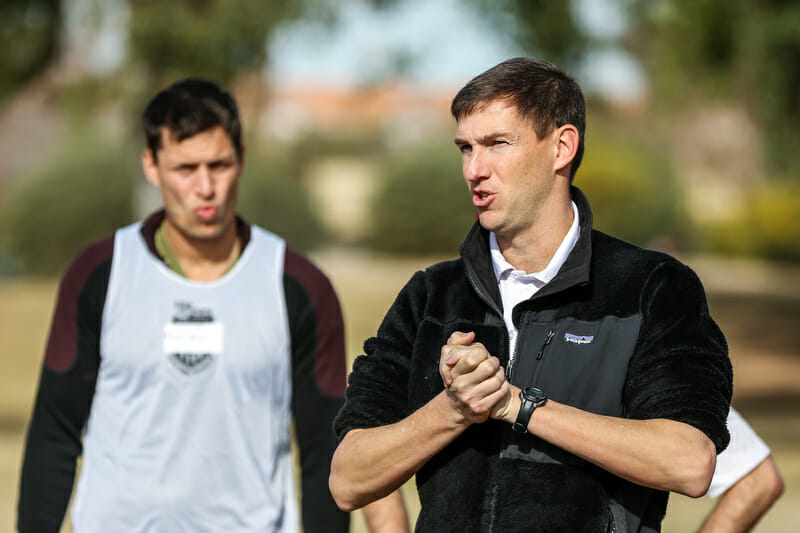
(24, 318)
(767, 370)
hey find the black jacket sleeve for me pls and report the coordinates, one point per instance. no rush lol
(66, 388)
(318, 383)
(680, 369)
(378, 394)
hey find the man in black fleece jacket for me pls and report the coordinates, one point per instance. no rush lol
(553, 378)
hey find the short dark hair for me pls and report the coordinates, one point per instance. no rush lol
(541, 92)
(188, 107)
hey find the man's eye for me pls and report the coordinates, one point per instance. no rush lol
(464, 148)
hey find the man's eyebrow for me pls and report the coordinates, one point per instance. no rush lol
(483, 139)
(179, 164)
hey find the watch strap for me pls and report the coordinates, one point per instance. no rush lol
(531, 399)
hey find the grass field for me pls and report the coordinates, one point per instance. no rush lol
(761, 326)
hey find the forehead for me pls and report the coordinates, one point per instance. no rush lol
(210, 143)
(496, 114)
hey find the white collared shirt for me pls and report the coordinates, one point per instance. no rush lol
(517, 286)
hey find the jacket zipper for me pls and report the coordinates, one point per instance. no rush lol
(511, 360)
(612, 523)
(540, 355)
(485, 297)
(550, 335)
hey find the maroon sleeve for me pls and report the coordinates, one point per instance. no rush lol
(318, 384)
(329, 361)
(66, 387)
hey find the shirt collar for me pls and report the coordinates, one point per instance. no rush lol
(503, 269)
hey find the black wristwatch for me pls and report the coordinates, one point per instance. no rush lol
(531, 399)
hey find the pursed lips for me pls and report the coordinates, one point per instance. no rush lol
(206, 212)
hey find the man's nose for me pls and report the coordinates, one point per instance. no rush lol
(205, 182)
(475, 167)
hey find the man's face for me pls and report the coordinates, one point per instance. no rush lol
(198, 178)
(509, 170)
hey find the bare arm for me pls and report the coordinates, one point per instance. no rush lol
(371, 463)
(741, 506)
(659, 453)
(387, 515)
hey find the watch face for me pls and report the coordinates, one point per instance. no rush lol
(534, 395)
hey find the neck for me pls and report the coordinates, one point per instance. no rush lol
(532, 249)
(203, 259)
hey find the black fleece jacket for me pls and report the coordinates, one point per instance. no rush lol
(620, 331)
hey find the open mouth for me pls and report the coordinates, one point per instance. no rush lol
(481, 198)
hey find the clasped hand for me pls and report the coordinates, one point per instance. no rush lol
(476, 383)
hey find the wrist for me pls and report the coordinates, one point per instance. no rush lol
(451, 417)
(530, 399)
(510, 411)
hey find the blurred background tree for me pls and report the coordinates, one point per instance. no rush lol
(421, 205)
(613, 172)
(271, 196)
(546, 29)
(79, 195)
(740, 51)
(28, 41)
(216, 39)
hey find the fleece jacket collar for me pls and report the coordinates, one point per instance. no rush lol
(575, 270)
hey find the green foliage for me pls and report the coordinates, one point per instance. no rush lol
(271, 196)
(422, 206)
(738, 50)
(767, 227)
(543, 28)
(689, 45)
(77, 196)
(209, 38)
(631, 190)
(28, 40)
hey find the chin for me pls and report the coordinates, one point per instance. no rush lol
(488, 222)
(207, 232)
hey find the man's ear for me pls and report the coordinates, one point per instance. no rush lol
(567, 139)
(150, 167)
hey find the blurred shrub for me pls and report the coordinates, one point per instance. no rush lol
(423, 205)
(272, 197)
(75, 197)
(767, 226)
(632, 191)
(775, 218)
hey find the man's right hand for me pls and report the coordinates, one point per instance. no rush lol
(474, 379)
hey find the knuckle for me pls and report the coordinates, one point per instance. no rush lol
(470, 360)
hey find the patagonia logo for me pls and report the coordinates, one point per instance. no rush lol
(578, 339)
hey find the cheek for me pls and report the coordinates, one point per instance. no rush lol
(176, 192)
(229, 188)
